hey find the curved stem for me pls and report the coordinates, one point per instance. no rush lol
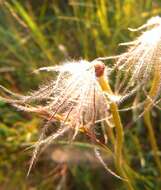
(147, 118)
(119, 131)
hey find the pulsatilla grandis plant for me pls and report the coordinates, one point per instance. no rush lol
(80, 96)
(77, 100)
(142, 65)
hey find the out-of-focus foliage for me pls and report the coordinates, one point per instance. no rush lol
(36, 33)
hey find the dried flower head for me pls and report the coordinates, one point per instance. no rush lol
(143, 55)
(74, 98)
(137, 67)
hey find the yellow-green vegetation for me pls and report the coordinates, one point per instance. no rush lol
(43, 33)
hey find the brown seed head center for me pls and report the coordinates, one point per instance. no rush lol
(99, 68)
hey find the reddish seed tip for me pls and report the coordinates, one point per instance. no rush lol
(99, 68)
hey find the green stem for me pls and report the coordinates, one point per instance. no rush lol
(119, 131)
(147, 118)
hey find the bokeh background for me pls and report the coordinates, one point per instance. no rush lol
(37, 33)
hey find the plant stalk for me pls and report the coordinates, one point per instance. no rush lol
(119, 131)
(147, 116)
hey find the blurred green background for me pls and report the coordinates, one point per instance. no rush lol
(37, 33)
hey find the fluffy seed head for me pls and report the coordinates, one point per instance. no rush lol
(74, 97)
(141, 64)
(144, 54)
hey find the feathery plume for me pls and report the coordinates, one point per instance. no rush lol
(74, 98)
(140, 63)
(144, 53)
